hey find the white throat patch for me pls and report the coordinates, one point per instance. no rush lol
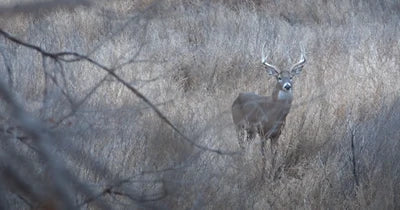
(283, 95)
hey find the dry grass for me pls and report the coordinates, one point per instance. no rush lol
(192, 58)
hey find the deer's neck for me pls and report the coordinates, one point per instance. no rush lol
(281, 96)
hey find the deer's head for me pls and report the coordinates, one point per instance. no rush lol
(284, 78)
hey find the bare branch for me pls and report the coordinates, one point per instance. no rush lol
(353, 158)
(73, 57)
(36, 7)
(116, 189)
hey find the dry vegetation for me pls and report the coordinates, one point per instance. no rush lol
(88, 141)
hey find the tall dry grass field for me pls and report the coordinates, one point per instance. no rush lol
(107, 148)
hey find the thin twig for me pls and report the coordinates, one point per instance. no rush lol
(354, 162)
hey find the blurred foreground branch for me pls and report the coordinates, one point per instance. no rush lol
(36, 7)
(74, 57)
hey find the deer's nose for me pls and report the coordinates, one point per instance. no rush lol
(287, 86)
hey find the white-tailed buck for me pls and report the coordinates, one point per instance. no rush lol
(265, 115)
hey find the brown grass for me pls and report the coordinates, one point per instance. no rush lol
(194, 58)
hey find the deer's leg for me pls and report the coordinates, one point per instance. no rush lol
(241, 134)
(250, 134)
(264, 159)
(274, 149)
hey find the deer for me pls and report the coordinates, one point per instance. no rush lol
(266, 115)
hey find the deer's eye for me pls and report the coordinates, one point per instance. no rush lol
(279, 78)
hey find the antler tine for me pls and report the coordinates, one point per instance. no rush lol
(302, 60)
(264, 58)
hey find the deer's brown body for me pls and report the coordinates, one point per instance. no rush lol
(254, 113)
(265, 115)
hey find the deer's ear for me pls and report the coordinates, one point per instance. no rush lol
(297, 69)
(271, 70)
